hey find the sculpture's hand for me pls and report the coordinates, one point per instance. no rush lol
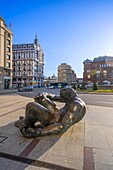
(50, 96)
(54, 97)
(30, 132)
(20, 122)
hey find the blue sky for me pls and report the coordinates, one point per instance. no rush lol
(69, 31)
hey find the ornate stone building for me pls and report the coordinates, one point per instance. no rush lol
(66, 74)
(98, 70)
(28, 64)
(5, 56)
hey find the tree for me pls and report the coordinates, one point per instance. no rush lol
(78, 85)
(74, 86)
(83, 86)
(95, 86)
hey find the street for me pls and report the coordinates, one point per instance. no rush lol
(89, 99)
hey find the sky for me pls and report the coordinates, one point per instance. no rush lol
(69, 31)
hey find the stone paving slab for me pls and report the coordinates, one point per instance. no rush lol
(87, 145)
(99, 136)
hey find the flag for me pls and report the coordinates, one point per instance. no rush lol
(10, 25)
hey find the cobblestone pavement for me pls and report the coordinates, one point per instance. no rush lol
(87, 145)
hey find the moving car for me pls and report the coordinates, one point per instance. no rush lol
(26, 88)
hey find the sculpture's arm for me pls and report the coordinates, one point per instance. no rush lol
(50, 129)
(47, 130)
(54, 97)
(41, 96)
(56, 128)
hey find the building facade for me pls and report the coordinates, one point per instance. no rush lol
(5, 56)
(66, 74)
(98, 70)
(28, 64)
(49, 80)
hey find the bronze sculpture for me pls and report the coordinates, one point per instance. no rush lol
(52, 119)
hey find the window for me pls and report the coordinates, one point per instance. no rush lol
(64, 71)
(8, 35)
(13, 56)
(18, 63)
(24, 69)
(19, 79)
(97, 76)
(14, 79)
(8, 65)
(97, 72)
(104, 71)
(19, 69)
(7, 73)
(88, 71)
(8, 57)
(8, 49)
(88, 76)
(8, 42)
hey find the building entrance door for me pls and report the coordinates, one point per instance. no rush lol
(6, 83)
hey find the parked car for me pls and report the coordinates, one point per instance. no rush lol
(35, 86)
(69, 86)
(106, 83)
(51, 87)
(26, 88)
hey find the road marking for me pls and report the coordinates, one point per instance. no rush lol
(104, 102)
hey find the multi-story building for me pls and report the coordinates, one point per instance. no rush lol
(98, 70)
(28, 64)
(5, 56)
(66, 74)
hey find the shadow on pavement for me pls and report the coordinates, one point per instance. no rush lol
(25, 151)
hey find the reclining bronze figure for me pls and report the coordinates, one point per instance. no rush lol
(53, 120)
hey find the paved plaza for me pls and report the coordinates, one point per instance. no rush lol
(87, 145)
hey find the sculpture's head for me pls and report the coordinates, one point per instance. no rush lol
(39, 97)
(67, 94)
